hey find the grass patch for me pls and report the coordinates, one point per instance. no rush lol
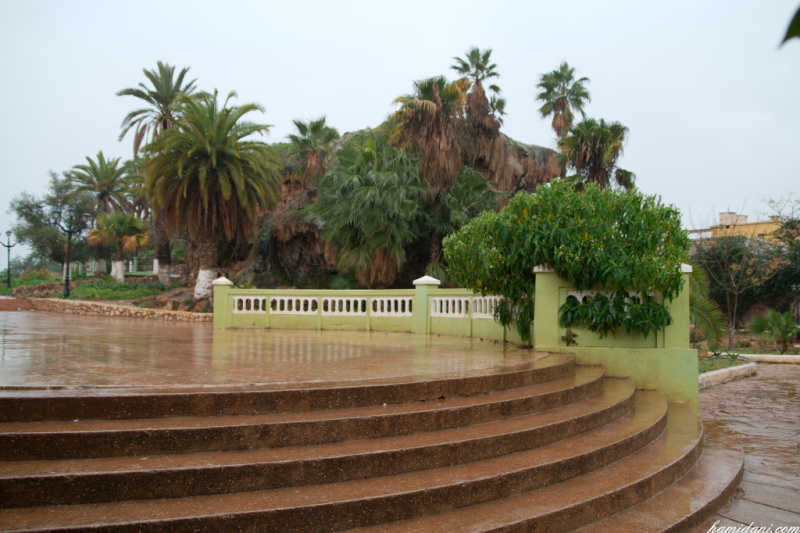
(715, 362)
(112, 290)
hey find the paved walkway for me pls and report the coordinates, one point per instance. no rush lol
(50, 350)
(764, 414)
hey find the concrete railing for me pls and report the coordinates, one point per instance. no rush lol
(662, 360)
(424, 309)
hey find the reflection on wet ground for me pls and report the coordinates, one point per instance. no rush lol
(53, 350)
(763, 412)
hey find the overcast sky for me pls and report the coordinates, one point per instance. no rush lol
(712, 103)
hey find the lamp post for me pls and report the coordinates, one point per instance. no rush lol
(72, 226)
(8, 246)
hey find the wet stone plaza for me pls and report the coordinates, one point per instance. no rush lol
(52, 351)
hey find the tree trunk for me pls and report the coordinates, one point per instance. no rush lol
(118, 270)
(163, 251)
(207, 256)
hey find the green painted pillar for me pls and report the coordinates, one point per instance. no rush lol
(223, 309)
(545, 322)
(420, 322)
(676, 335)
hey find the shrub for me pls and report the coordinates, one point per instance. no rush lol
(780, 327)
(110, 290)
(620, 241)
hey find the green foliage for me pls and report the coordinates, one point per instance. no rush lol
(163, 99)
(704, 312)
(718, 361)
(370, 208)
(561, 94)
(342, 283)
(592, 148)
(106, 179)
(207, 176)
(311, 144)
(620, 241)
(780, 327)
(122, 231)
(110, 290)
(35, 216)
(476, 64)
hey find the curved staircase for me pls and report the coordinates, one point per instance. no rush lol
(547, 447)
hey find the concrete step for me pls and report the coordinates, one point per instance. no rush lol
(624, 445)
(116, 403)
(579, 500)
(687, 502)
(104, 438)
(137, 477)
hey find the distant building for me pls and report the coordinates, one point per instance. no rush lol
(732, 224)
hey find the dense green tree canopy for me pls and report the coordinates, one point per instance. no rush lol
(621, 241)
(370, 207)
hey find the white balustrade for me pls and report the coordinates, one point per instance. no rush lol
(344, 306)
(293, 305)
(391, 306)
(450, 307)
(484, 306)
(248, 305)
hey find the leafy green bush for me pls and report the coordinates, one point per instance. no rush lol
(619, 241)
(780, 327)
(111, 290)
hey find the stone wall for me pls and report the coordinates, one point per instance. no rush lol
(82, 307)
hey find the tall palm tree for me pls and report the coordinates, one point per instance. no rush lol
(425, 125)
(477, 65)
(208, 177)
(561, 96)
(592, 148)
(106, 179)
(163, 100)
(124, 232)
(312, 144)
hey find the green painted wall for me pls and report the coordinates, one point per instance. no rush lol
(663, 361)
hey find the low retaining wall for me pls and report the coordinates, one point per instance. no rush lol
(14, 304)
(83, 307)
(724, 375)
(771, 358)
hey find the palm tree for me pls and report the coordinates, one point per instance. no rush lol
(561, 95)
(425, 125)
(312, 145)
(208, 177)
(779, 326)
(369, 209)
(106, 179)
(477, 66)
(124, 232)
(592, 148)
(163, 99)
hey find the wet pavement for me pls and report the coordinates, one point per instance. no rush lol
(763, 414)
(48, 350)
